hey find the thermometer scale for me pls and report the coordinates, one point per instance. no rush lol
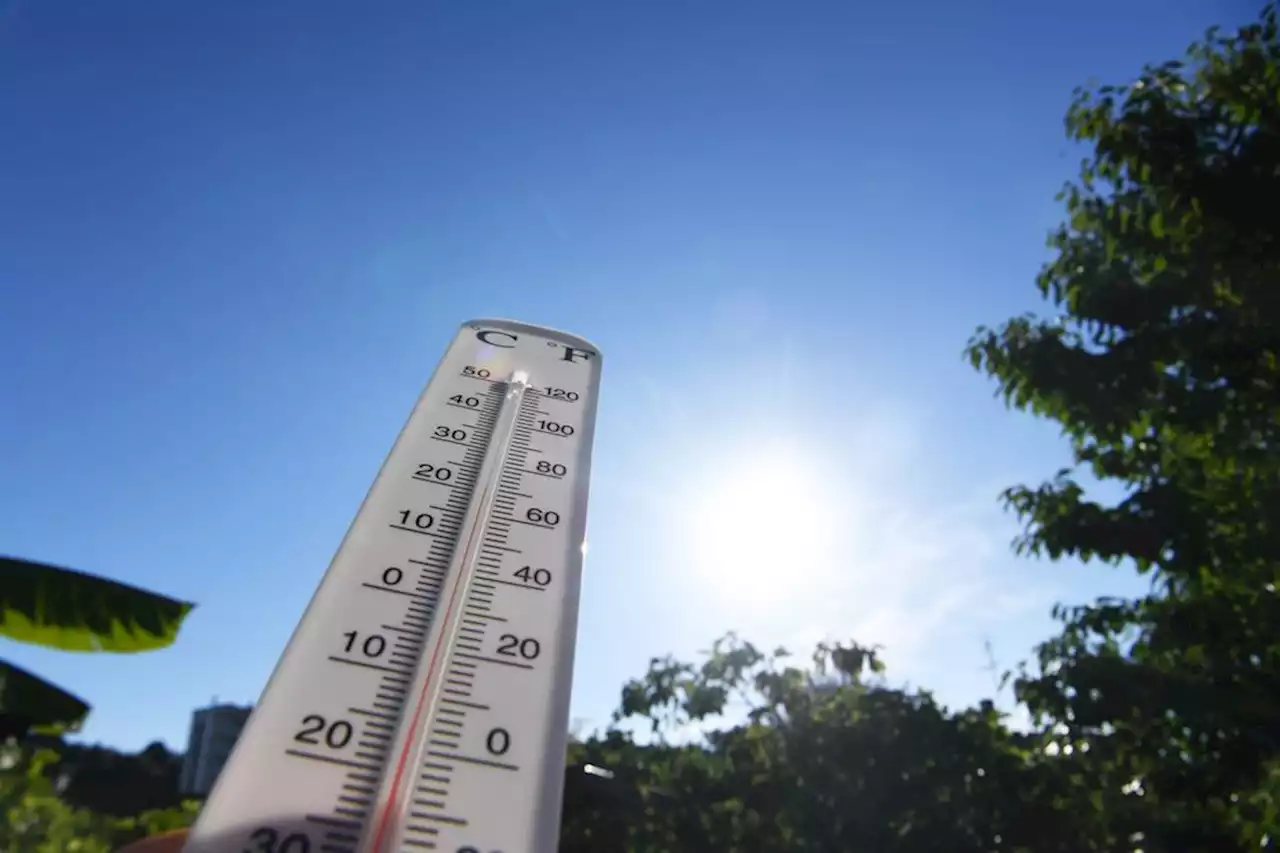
(422, 702)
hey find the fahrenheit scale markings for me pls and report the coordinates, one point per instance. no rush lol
(422, 701)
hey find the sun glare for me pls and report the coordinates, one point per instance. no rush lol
(762, 524)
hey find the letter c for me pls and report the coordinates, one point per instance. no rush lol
(483, 333)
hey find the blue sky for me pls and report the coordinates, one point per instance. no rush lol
(235, 238)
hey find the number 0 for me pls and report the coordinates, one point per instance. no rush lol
(498, 741)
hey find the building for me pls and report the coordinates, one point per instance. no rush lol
(214, 731)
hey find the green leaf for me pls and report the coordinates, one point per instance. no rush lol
(29, 702)
(1157, 224)
(69, 610)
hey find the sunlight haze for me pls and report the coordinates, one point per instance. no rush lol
(236, 237)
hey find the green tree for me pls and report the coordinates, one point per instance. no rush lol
(120, 784)
(38, 816)
(34, 818)
(1161, 363)
(826, 757)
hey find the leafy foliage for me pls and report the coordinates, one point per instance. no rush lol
(69, 610)
(826, 757)
(120, 784)
(29, 702)
(37, 816)
(34, 818)
(64, 609)
(1162, 366)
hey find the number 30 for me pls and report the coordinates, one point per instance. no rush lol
(269, 841)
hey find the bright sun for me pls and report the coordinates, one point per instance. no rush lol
(762, 524)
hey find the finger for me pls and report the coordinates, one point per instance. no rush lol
(169, 842)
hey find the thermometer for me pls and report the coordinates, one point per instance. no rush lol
(422, 702)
